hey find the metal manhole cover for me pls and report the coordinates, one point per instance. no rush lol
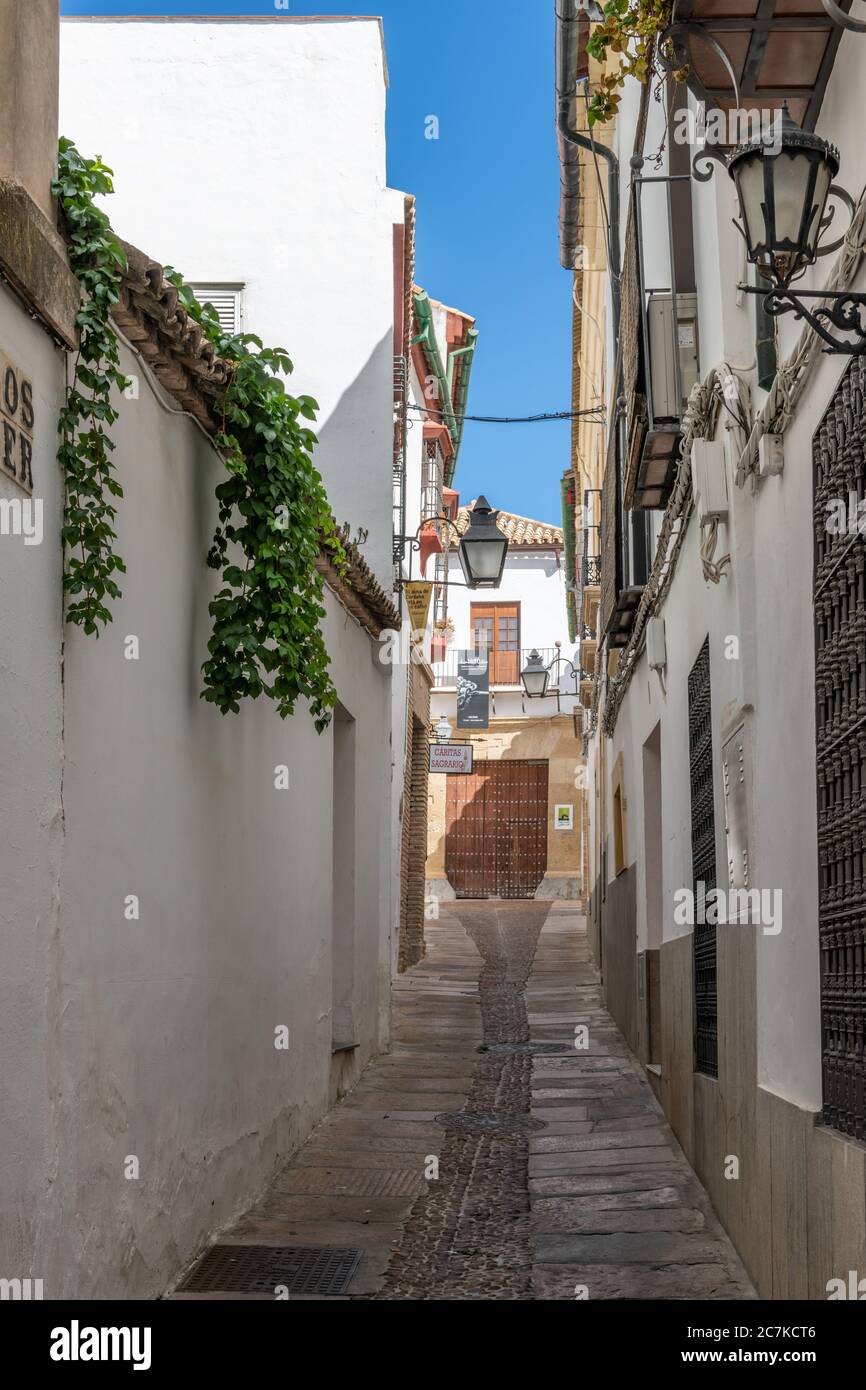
(559, 1049)
(251, 1269)
(507, 1124)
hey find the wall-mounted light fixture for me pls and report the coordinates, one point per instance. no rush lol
(482, 547)
(536, 676)
(783, 181)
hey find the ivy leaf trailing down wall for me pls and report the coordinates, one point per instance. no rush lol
(97, 259)
(273, 510)
(629, 32)
(274, 514)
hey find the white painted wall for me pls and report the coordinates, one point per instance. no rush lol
(161, 1030)
(31, 819)
(154, 1038)
(766, 601)
(253, 151)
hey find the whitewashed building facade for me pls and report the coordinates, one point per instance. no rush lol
(198, 910)
(724, 751)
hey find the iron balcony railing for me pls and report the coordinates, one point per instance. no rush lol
(505, 668)
(401, 398)
(591, 571)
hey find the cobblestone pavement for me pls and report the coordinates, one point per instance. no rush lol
(557, 1172)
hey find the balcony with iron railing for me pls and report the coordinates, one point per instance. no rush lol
(505, 668)
(590, 571)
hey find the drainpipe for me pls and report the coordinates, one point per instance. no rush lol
(572, 30)
(427, 336)
(463, 396)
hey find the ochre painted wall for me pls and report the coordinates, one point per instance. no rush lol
(552, 739)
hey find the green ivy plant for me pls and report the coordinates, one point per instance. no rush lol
(273, 519)
(630, 29)
(274, 516)
(97, 259)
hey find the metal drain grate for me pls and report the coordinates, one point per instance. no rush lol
(251, 1269)
(560, 1049)
(507, 1124)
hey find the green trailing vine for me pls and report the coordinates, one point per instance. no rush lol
(97, 259)
(274, 515)
(630, 30)
(273, 518)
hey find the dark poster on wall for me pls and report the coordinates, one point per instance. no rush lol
(473, 690)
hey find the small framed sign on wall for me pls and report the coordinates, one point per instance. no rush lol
(563, 817)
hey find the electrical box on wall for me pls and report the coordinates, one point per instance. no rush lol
(771, 459)
(656, 647)
(710, 479)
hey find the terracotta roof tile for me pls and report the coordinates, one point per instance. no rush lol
(520, 530)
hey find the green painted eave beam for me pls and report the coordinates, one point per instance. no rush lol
(445, 375)
(427, 336)
(469, 353)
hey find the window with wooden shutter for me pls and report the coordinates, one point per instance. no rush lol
(496, 630)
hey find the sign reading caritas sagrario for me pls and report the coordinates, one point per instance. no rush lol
(451, 757)
(17, 420)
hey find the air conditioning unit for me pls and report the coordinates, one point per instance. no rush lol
(666, 405)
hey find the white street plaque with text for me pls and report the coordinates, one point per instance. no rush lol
(451, 757)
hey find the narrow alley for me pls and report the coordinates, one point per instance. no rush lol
(445, 880)
(552, 1171)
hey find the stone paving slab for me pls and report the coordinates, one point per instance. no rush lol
(559, 1214)
(709, 1281)
(617, 1212)
(599, 1202)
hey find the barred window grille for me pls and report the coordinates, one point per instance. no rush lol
(227, 300)
(432, 481)
(398, 473)
(839, 466)
(703, 863)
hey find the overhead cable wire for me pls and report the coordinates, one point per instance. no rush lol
(596, 411)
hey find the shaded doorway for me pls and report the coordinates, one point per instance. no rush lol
(343, 884)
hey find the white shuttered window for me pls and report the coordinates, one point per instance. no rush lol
(227, 300)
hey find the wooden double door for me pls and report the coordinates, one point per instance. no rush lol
(496, 630)
(496, 829)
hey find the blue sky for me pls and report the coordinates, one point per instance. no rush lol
(487, 195)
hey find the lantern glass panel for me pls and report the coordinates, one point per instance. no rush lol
(483, 559)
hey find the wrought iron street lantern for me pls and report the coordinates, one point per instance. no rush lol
(535, 676)
(443, 730)
(483, 548)
(783, 181)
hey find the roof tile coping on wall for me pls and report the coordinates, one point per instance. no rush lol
(520, 530)
(188, 368)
